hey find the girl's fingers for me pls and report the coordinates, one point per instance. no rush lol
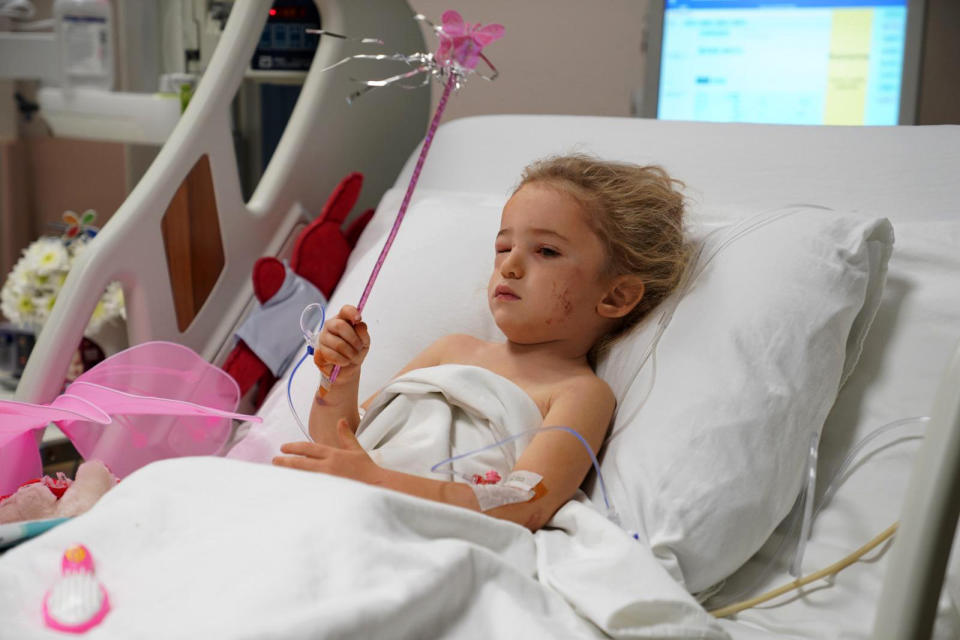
(298, 462)
(330, 356)
(363, 334)
(350, 313)
(346, 331)
(309, 449)
(341, 346)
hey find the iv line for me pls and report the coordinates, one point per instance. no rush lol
(611, 512)
(838, 478)
(310, 337)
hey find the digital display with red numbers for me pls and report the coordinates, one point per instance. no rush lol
(285, 43)
(289, 13)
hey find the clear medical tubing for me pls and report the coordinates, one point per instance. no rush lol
(841, 473)
(807, 496)
(303, 428)
(839, 476)
(427, 141)
(310, 337)
(611, 512)
(809, 514)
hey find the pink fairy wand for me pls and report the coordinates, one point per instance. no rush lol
(461, 48)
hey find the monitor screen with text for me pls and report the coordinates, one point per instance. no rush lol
(774, 61)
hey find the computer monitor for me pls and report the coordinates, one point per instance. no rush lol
(844, 62)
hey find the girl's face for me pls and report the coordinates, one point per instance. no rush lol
(546, 281)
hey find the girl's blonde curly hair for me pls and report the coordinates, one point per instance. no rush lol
(637, 212)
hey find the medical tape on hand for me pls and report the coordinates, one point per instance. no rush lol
(324, 368)
(325, 383)
(516, 487)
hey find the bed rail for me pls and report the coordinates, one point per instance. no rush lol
(928, 521)
(324, 139)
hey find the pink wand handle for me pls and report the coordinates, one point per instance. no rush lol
(451, 81)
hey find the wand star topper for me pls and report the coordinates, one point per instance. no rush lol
(462, 44)
(460, 50)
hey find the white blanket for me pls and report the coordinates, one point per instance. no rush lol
(207, 547)
(428, 415)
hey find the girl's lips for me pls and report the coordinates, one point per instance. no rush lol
(505, 293)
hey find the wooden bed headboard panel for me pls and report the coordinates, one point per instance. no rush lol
(192, 242)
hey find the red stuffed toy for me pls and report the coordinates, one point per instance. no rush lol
(319, 256)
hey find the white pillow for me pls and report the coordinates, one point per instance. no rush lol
(710, 441)
(742, 318)
(434, 280)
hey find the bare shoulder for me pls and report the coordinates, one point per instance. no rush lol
(456, 347)
(589, 389)
(584, 402)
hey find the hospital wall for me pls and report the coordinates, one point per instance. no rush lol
(557, 56)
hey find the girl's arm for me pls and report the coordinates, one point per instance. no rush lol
(558, 456)
(350, 460)
(586, 406)
(345, 341)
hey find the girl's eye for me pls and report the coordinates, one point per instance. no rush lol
(503, 250)
(547, 252)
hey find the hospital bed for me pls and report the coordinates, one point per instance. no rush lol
(909, 363)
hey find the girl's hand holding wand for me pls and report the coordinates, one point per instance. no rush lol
(345, 341)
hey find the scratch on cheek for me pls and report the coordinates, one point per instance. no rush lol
(565, 304)
(562, 303)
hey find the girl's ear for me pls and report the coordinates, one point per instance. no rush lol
(622, 296)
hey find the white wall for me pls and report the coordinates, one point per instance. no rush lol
(557, 56)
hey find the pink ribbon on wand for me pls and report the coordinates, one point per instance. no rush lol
(434, 123)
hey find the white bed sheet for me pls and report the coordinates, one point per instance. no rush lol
(213, 548)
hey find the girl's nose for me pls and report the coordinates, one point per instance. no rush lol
(511, 267)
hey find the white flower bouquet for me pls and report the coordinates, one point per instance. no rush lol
(31, 289)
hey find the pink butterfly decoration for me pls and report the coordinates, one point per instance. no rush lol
(463, 43)
(152, 401)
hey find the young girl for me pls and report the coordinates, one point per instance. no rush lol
(585, 250)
